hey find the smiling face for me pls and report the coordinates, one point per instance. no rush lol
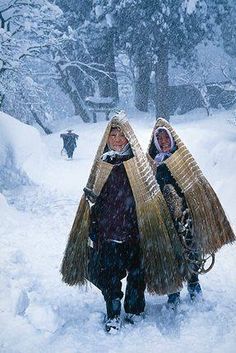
(164, 141)
(117, 140)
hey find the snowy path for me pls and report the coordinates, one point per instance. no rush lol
(39, 313)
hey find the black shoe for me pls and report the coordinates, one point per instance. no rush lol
(134, 318)
(195, 291)
(173, 300)
(113, 308)
(113, 325)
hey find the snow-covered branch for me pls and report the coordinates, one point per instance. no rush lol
(227, 76)
(89, 66)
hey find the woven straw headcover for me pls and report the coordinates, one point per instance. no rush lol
(155, 224)
(211, 227)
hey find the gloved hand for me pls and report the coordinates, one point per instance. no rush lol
(90, 195)
(93, 237)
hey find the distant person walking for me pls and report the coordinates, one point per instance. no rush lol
(69, 142)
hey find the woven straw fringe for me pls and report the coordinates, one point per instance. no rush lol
(161, 250)
(211, 227)
(74, 267)
(160, 245)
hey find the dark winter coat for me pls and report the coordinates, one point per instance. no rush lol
(113, 217)
(164, 177)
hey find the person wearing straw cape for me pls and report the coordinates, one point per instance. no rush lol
(199, 218)
(121, 227)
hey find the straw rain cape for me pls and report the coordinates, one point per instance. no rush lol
(210, 225)
(154, 221)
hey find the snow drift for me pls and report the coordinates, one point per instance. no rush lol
(20, 147)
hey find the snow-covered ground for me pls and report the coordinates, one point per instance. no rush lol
(40, 191)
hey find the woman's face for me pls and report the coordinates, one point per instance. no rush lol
(117, 140)
(164, 141)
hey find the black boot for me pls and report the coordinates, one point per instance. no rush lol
(113, 321)
(113, 308)
(194, 287)
(134, 318)
(173, 300)
(194, 290)
(113, 324)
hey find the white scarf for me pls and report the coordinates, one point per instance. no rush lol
(114, 154)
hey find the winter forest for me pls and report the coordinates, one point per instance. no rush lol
(165, 56)
(70, 65)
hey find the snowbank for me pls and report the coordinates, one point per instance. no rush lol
(21, 150)
(25, 158)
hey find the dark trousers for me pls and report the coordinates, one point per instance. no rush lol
(69, 151)
(192, 281)
(193, 262)
(116, 260)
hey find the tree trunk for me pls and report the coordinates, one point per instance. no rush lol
(70, 89)
(162, 81)
(39, 122)
(2, 96)
(142, 82)
(35, 115)
(107, 83)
